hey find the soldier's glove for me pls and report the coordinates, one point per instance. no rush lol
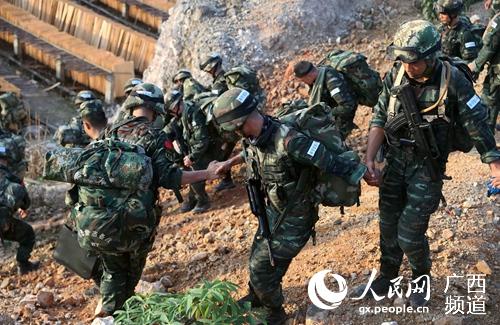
(492, 190)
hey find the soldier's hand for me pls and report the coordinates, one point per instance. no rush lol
(224, 167)
(495, 173)
(187, 161)
(487, 4)
(372, 175)
(23, 213)
(212, 169)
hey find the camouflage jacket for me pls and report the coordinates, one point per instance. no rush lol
(459, 40)
(490, 52)
(219, 84)
(16, 144)
(195, 131)
(191, 88)
(139, 131)
(462, 101)
(72, 134)
(13, 194)
(279, 154)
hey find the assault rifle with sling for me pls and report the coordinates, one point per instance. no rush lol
(423, 136)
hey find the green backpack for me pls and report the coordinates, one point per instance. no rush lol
(316, 121)
(106, 163)
(365, 81)
(243, 77)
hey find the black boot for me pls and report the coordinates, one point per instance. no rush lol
(276, 316)
(201, 207)
(26, 267)
(251, 297)
(418, 297)
(187, 206)
(380, 286)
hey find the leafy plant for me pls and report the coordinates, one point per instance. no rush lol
(207, 303)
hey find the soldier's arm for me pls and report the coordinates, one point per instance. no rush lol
(469, 48)
(379, 116)
(165, 172)
(342, 93)
(473, 116)
(491, 45)
(310, 152)
(200, 139)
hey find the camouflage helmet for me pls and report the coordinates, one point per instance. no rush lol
(92, 109)
(131, 83)
(84, 96)
(232, 108)
(449, 7)
(415, 40)
(210, 62)
(181, 75)
(172, 99)
(12, 149)
(145, 95)
(495, 5)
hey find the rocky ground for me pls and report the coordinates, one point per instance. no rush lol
(463, 235)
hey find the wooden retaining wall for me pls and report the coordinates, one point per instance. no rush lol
(93, 29)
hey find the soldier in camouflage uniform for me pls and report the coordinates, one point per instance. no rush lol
(129, 85)
(15, 199)
(329, 86)
(145, 103)
(213, 65)
(276, 154)
(187, 85)
(202, 142)
(72, 134)
(490, 53)
(457, 36)
(408, 192)
(13, 115)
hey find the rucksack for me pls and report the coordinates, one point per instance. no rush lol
(106, 163)
(364, 81)
(243, 77)
(316, 122)
(114, 209)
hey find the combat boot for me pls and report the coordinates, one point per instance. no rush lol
(225, 184)
(26, 267)
(201, 207)
(251, 297)
(276, 316)
(380, 286)
(417, 298)
(187, 206)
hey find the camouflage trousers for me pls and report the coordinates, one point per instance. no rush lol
(121, 273)
(491, 98)
(407, 199)
(20, 231)
(197, 192)
(288, 240)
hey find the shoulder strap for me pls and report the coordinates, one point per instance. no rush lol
(391, 108)
(443, 92)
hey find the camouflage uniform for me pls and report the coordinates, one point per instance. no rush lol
(278, 156)
(189, 86)
(331, 88)
(213, 65)
(123, 271)
(13, 115)
(72, 134)
(490, 53)
(458, 40)
(129, 85)
(408, 195)
(13, 196)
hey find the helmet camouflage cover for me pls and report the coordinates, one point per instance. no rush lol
(232, 108)
(210, 62)
(145, 95)
(91, 108)
(181, 75)
(84, 96)
(131, 83)
(172, 99)
(415, 40)
(449, 7)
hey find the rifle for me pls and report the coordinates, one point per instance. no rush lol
(424, 139)
(256, 197)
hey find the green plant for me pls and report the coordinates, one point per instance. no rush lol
(207, 303)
